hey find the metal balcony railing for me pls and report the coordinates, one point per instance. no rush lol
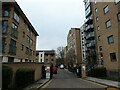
(90, 35)
(91, 44)
(89, 27)
(88, 20)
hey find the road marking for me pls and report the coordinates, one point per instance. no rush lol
(47, 84)
(112, 88)
(95, 83)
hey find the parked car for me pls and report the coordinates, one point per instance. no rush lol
(54, 70)
(61, 66)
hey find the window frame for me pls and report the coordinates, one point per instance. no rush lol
(116, 1)
(100, 48)
(108, 38)
(107, 23)
(7, 9)
(22, 47)
(97, 19)
(99, 38)
(118, 16)
(98, 27)
(96, 10)
(113, 57)
(104, 9)
(4, 26)
(16, 16)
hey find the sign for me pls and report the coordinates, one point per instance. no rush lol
(47, 72)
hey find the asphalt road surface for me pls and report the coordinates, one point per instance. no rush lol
(65, 79)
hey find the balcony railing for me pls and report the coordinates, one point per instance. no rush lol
(89, 27)
(12, 49)
(92, 44)
(88, 20)
(90, 35)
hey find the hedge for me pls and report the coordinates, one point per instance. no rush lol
(7, 74)
(24, 77)
(98, 72)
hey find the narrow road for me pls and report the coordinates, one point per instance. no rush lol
(66, 79)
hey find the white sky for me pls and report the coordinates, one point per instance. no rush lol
(52, 19)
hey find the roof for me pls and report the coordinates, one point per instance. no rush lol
(23, 15)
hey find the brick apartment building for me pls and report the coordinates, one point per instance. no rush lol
(74, 43)
(107, 30)
(46, 56)
(18, 35)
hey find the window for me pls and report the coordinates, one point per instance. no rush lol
(118, 16)
(95, 1)
(96, 10)
(106, 9)
(6, 10)
(22, 47)
(12, 47)
(4, 26)
(16, 16)
(47, 61)
(108, 24)
(113, 56)
(100, 48)
(110, 39)
(28, 29)
(14, 30)
(23, 34)
(31, 41)
(14, 26)
(30, 51)
(3, 44)
(117, 1)
(10, 59)
(98, 28)
(13, 42)
(27, 50)
(97, 19)
(101, 55)
(28, 39)
(99, 38)
(41, 55)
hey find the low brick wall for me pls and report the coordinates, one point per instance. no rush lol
(36, 66)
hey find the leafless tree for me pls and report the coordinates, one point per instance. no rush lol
(70, 58)
(60, 55)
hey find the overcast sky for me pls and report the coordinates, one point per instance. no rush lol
(52, 19)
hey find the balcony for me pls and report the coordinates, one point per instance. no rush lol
(89, 20)
(12, 49)
(89, 28)
(90, 35)
(92, 44)
(14, 33)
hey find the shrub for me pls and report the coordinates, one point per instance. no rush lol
(7, 74)
(24, 77)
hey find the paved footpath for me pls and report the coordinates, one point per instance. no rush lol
(37, 85)
(109, 83)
